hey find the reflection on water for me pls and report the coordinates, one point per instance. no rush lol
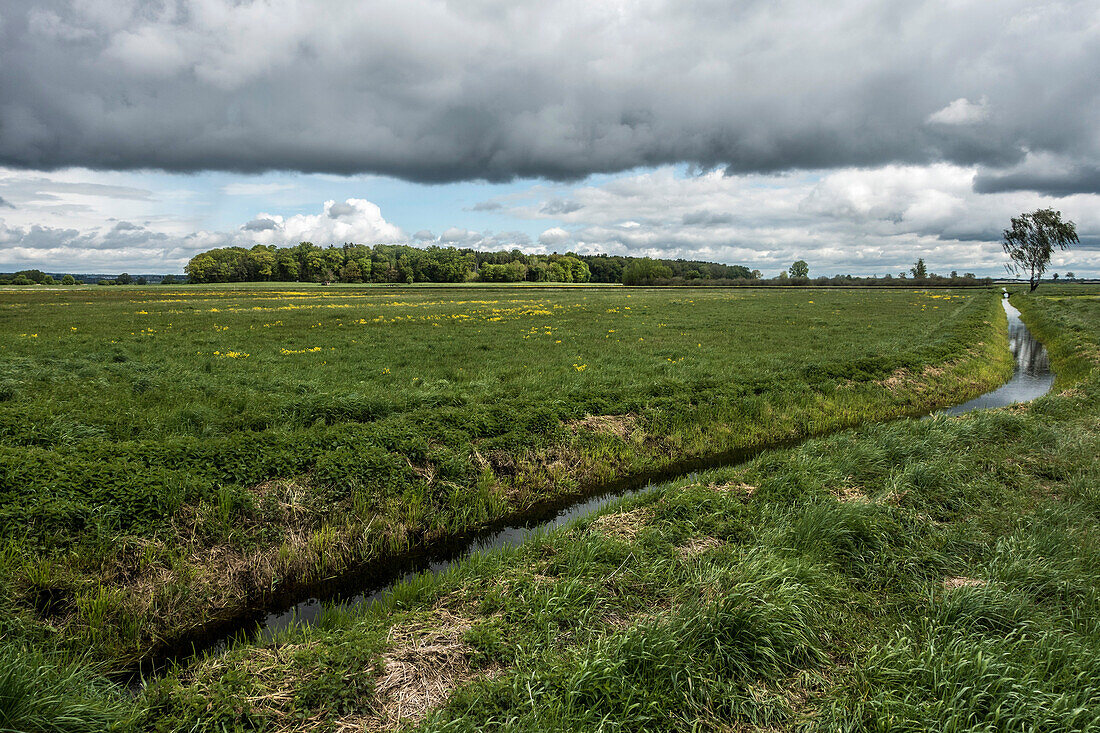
(1032, 378)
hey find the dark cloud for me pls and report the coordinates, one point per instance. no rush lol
(260, 225)
(487, 206)
(5, 204)
(964, 234)
(125, 226)
(423, 235)
(449, 91)
(1090, 242)
(1077, 179)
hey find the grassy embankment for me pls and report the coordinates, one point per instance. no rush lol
(169, 457)
(918, 575)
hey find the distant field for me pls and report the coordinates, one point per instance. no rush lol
(170, 456)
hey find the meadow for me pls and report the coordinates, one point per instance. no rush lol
(171, 458)
(915, 575)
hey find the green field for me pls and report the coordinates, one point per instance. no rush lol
(170, 458)
(914, 576)
(175, 456)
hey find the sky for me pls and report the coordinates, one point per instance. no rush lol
(857, 135)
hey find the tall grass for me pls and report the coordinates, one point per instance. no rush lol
(40, 695)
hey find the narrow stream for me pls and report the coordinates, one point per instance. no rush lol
(1032, 378)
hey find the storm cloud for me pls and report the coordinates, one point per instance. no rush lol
(1053, 177)
(431, 91)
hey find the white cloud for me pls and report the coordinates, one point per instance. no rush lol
(485, 241)
(354, 220)
(554, 236)
(89, 240)
(863, 221)
(962, 112)
(857, 220)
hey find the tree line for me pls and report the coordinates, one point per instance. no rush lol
(395, 263)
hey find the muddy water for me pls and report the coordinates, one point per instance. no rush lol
(1032, 377)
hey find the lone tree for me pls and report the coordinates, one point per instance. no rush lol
(919, 270)
(1032, 238)
(799, 269)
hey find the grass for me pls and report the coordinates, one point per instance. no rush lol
(936, 574)
(37, 695)
(172, 457)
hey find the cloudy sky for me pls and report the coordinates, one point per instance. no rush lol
(857, 135)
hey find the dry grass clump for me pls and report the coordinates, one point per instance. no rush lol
(426, 662)
(733, 487)
(963, 582)
(623, 525)
(1091, 353)
(697, 546)
(619, 425)
(286, 492)
(851, 493)
(276, 677)
(904, 379)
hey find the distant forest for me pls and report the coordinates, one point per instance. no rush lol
(395, 263)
